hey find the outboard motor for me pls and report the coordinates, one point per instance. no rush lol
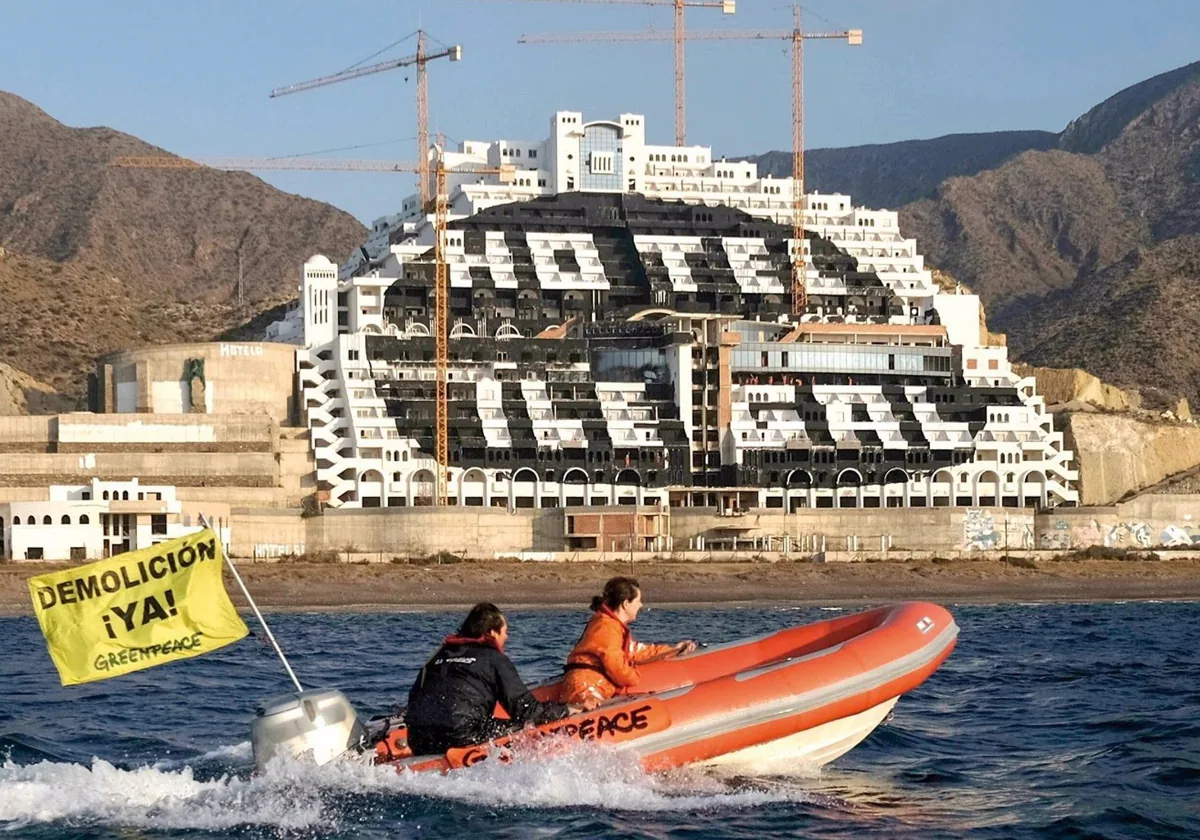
(319, 724)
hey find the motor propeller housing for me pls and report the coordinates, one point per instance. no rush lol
(317, 725)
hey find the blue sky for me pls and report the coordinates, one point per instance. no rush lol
(193, 77)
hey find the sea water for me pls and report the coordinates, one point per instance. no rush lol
(1047, 721)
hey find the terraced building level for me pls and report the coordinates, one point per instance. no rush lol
(628, 341)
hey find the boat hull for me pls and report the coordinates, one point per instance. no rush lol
(809, 747)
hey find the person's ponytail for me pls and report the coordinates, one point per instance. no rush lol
(617, 591)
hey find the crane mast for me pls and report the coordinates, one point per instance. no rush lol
(441, 307)
(799, 260)
(421, 59)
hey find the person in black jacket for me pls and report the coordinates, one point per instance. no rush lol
(452, 700)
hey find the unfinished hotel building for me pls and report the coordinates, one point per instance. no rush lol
(621, 334)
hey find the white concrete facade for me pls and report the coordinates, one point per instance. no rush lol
(581, 155)
(1017, 457)
(92, 521)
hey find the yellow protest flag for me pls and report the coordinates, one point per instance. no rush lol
(137, 610)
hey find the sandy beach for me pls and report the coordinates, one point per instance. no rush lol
(386, 586)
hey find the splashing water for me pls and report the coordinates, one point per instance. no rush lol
(145, 797)
(291, 795)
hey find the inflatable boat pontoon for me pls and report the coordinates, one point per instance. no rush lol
(807, 693)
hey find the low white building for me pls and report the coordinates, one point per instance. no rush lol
(93, 521)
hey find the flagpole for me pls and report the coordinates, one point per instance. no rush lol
(254, 606)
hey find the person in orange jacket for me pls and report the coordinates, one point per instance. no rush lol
(604, 661)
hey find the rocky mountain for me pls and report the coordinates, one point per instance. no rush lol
(99, 258)
(890, 175)
(1086, 249)
(1134, 321)
(1025, 229)
(1089, 255)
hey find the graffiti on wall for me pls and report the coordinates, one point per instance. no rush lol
(1026, 534)
(1058, 536)
(1175, 536)
(1127, 534)
(1062, 536)
(981, 532)
(1086, 535)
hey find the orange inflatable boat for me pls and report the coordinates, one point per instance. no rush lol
(806, 693)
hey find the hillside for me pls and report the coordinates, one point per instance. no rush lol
(20, 393)
(1134, 322)
(1154, 159)
(60, 316)
(102, 258)
(1088, 256)
(890, 175)
(1029, 228)
(1083, 245)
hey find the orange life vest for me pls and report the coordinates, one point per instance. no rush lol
(604, 661)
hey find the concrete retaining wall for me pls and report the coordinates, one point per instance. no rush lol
(928, 528)
(26, 434)
(166, 432)
(1147, 523)
(183, 469)
(405, 532)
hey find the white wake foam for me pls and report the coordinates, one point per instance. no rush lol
(296, 796)
(147, 797)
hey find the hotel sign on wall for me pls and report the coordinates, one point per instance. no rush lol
(241, 350)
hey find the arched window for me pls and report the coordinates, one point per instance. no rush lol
(66, 520)
(125, 496)
(46, 520)
(106, 495)
(84, 520)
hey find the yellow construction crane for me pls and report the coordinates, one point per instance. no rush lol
(727, 7)
(797, 36)
(441, 292)
(441, 308)
(421, 58)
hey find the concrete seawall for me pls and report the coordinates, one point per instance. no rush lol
(1161, 521)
